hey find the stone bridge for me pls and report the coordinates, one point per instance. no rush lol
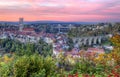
(89, 40)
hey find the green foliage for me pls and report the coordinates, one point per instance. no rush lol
(49, 65)
(70, 43)
(5, 70)
(87, 67)
(29, 66)
(44, 48)
(40, 73)
(29, 48)
(116, 51)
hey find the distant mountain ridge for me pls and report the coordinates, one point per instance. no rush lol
(48, 22)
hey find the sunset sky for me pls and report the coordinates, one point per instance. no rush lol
(60, 10)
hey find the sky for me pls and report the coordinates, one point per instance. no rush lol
(60, 10)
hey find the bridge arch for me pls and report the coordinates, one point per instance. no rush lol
(89, 40)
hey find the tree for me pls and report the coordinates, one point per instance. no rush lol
(116, 51)
(43, 48)
(28, 66)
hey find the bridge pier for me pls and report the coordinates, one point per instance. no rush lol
(90, 41)
(99, 40)
(79, 42)
(85, 41)
(74, 40)
(95, 40)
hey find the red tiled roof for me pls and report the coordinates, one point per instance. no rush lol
(28, 29)
(95, 50)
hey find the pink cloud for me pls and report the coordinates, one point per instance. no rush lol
(67, 10)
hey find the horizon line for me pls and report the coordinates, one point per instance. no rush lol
(58, 21)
